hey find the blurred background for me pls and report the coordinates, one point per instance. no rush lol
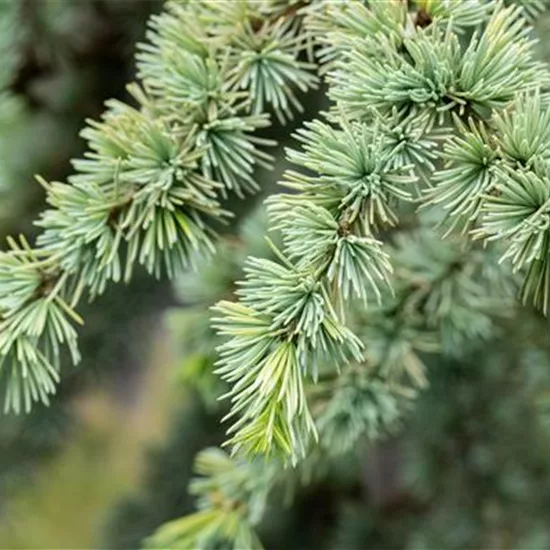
(110, 459)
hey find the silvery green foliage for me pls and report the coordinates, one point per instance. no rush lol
(361, 408)
(443, 291)
(494, 186)
(231, 500)
(454, 286)
(435, 103)
(416, 92)
(438, 75)
(401, 82)
(149, 187)
(213, 280)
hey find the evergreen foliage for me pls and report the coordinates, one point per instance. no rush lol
(436, 308)
(58, 76)
(398, 91)
(415, 208)
(144, 193)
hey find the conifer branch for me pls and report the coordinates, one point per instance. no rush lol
(150, 185)
(434, 104)
(399, 89)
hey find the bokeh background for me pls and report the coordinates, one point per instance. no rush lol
(110, 459)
